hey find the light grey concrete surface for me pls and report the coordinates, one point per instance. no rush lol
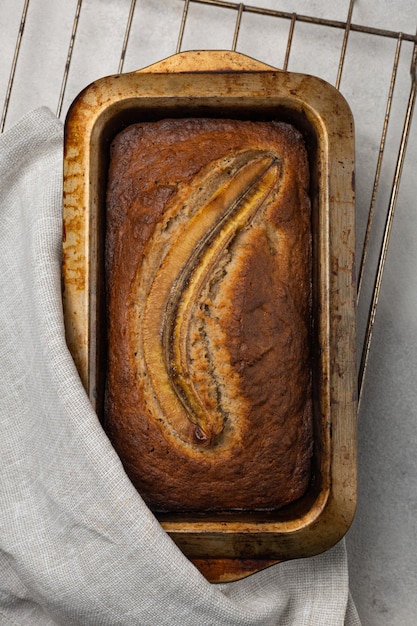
(382, 541)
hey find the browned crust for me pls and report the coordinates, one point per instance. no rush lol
(262, 459)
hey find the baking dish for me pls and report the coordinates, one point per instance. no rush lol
(226, 546)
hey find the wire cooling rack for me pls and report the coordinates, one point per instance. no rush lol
(52, 51)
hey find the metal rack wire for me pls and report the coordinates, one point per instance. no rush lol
(293, 20)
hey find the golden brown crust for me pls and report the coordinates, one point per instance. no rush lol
(208, 261)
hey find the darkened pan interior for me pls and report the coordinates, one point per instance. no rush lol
(98, 316)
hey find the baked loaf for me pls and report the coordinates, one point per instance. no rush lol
(208, 274)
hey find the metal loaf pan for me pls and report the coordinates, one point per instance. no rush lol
(225, 84)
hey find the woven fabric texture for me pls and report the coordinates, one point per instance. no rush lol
(77, 543)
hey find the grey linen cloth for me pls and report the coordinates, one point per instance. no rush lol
(77, 543)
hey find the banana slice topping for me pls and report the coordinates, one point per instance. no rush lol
(173, 326)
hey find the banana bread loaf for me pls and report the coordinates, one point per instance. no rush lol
(209, 290)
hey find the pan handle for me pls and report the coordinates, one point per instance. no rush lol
(207, 61)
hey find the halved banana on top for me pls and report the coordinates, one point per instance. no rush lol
(177, 318)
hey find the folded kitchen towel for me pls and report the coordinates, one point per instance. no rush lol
(77, 543)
